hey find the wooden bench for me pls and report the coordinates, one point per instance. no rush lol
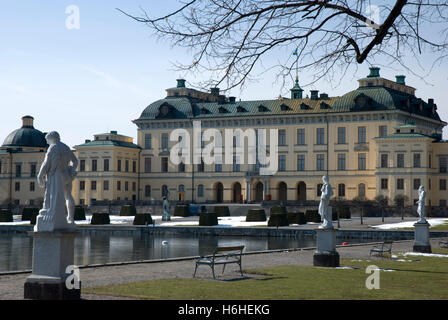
(443, 244)
(222, 255)
(385, 247)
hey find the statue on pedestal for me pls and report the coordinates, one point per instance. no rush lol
(56, 175)
(325, 210)
(166, 210)
(421, 204)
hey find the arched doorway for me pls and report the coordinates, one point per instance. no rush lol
(259, 192)
(236, 192)
(301, 191)
(282, 191)
(219, 192)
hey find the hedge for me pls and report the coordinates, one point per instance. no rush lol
(100, 218)
(222, 211)
(255, 215)
(30, 214)
(296, 218)
(6, 216)
(278, 220)
(208, 219)
(278, 209)
(128, 210)
(142, 219)
(312, 216)
(182, 211)
(80, 213)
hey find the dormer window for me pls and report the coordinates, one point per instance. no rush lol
(262, 108)
(204, 111)
(240, 109)
(304, 106)
(284, 107)
(324, 105)
(222, 110)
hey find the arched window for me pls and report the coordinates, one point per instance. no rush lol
(200, 190)
(164, 191)
(361, 190)
(147, 190)
(181, 188)
(341, 190)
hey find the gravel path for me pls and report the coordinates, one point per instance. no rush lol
(11, 286)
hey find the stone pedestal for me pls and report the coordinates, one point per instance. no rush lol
(421, 237)
(52, 253)
(326, 254)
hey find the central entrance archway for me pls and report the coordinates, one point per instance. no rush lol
(259, 192)
(219, 192)
(236, 192)
(282, 191)
(301, 191)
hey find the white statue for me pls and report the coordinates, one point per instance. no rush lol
(421, 204)
(166, 210)
(325, 210)
(56, 175)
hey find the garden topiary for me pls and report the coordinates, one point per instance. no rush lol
(208, 219)
(128, 210)
(278, 220)
(28, 214)
(80, 213)
(100, 218)
(222, 211)
(278, 209)
(312, 216)
(182, 211)
(142, 219)
(6, 216)
(255, 215)
(296, 218)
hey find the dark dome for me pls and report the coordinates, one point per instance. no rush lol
(26, 136)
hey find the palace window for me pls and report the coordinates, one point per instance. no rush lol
(236, 165)
(106, 185)
(18, 170)
(126, 166)
(361, 134)
(443, 164)
(218, 167)
(181, 167)
(118, 185)
(126, 186)
(32, 186)
(147, 190)
(134, 166)
(118, 165)
(400, 160)
(164, 164)
(164, 191)
(384, 160)
(417, 184)
(164, 140)
(282, 162)
(341, 135)
(400, 184)
(384, 184)
(417, 162)
(320, 136)
(93, 185)
(300, 162)
(106, 165)
(147, 164)
(282, 137)
(200, 190)
(341, 161)
(341, 190)
(361, 190)
(320, 165)
(82, 165)
(17, 186)
(134, 186)
(442, 184)
(148, 141)
(383, 131)
(82, 185)
(300, 136)
(362, 163)
(33, 170)
(94, 165)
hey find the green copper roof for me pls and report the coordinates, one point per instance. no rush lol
(108, 143)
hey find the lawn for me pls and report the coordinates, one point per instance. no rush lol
(416, 278)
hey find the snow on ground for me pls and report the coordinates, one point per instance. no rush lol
(435, 255)
(409, 224)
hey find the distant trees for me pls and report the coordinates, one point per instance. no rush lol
(383, 202)
(400, 202)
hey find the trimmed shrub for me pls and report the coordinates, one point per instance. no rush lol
(344, 213)
(6, 216)
(182, 211)
(80, 213)
(255, 215)
(296, 218)
(28, 214)
(208, 219)
(278, 220)
(142, 219)
(312, 216)
(222, 211)
(128, 210)
(100, 218)
(278, 209)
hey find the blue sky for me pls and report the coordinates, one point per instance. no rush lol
(101, 77)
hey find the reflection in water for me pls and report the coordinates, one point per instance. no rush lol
(102, 247)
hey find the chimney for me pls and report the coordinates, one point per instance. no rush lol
(400, 79)
(374, 72)
(113, 132)
(314, 94)
(28, 121)
(87, 141)
(214, 91)
(232, 99)
(180, 83)
(324, 96)
(430, 101)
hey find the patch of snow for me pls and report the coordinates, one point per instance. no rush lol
(409, 224)
(434, 255)
(351, 268)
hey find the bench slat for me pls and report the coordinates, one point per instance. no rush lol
(223, 249)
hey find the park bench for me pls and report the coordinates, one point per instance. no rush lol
(443, 244)
(222, 255)
(385, 247)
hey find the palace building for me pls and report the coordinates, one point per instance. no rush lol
(379, 139)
